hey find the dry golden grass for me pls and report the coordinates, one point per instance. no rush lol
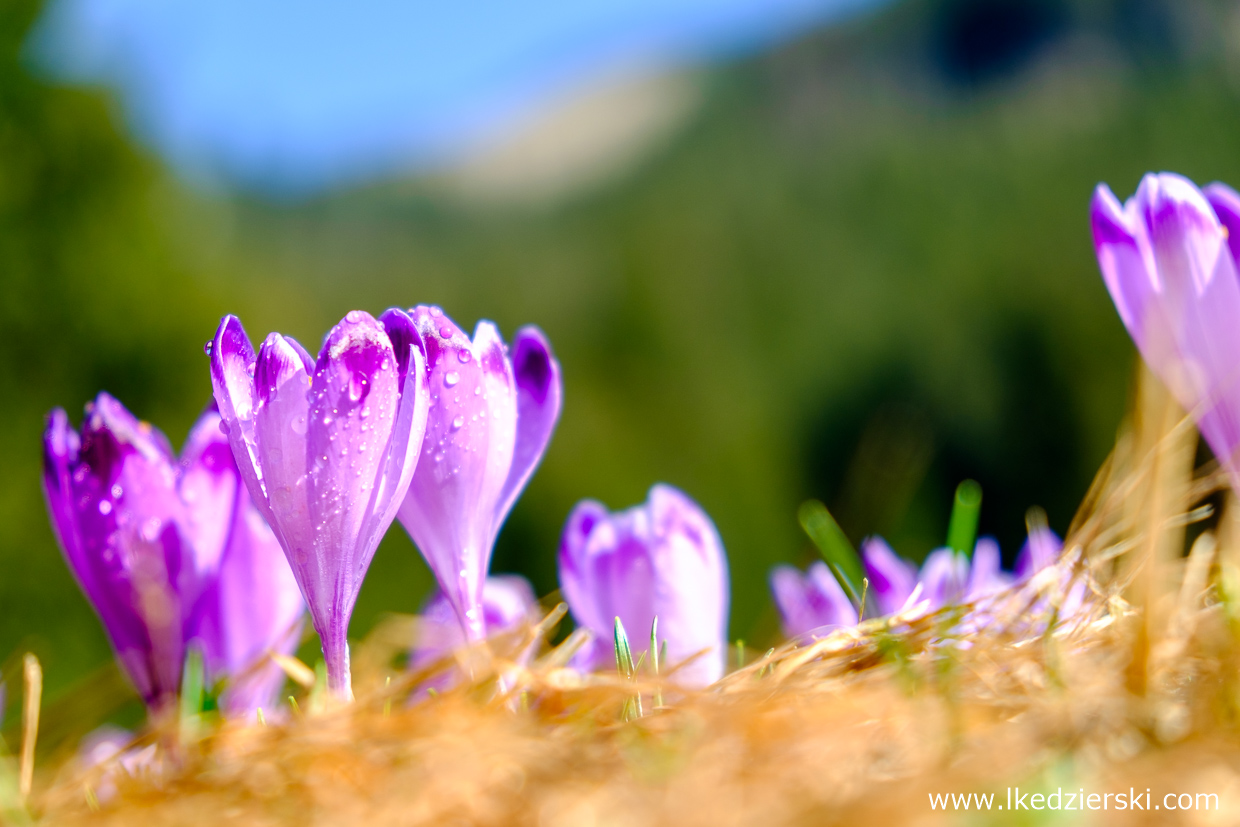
(1138, 688)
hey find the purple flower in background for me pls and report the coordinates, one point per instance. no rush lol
(661, 559)
(154, 542)
(1168, 257)
(1041, 549)
(507, 602)
(892, 578)
(811, 600)
(491, 416)
(986, 574)
(327, 449)
(946, 577)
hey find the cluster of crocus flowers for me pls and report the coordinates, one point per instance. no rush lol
(171, 553)
(287, 490)
(815, 601)
(1168, 257)
(662, 559)
(946, 576)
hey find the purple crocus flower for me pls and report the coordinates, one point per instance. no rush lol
(507, 602)
(327, 449)
(1168, 257)
(986, 574)
(892, 578)
(811, 600)
(251, 605)
(946, 576)
(660, 559)
(491, 417)
(1041, 549)
(154, 542)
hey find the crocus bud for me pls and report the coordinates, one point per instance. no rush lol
(810, 601)
(161, 548)
(327, 449)
(661, 559)
(251, 606)
(1168, 257)
(491, 416)
(507, 602)
(112, 495)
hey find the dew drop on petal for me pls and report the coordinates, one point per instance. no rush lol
(458, 423)
(445, 332)
(117, 491)
(451, 378)
(353, 316)
(105, 507)
(436, 311)
(365, 411)
(224, 427)
(208, 347)
(464, 356)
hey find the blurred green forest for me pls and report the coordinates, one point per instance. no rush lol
(862, 273)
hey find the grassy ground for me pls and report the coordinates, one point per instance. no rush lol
(1136, 689)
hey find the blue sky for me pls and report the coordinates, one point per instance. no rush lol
(285, 95)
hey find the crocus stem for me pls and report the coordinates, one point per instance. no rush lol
(336, 657)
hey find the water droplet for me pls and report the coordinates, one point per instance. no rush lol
(438, 457)
(361, 448)
(208, 347)
(445, 332)
(353, 316)
(105, 507)
(451, 378)
(327, 420)
(464, 356)
(383, 365)
(117, 492)
(436, 311)
(223, 427)
(478, 391)
(298, 425)
(458, 423)
(365, 411)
